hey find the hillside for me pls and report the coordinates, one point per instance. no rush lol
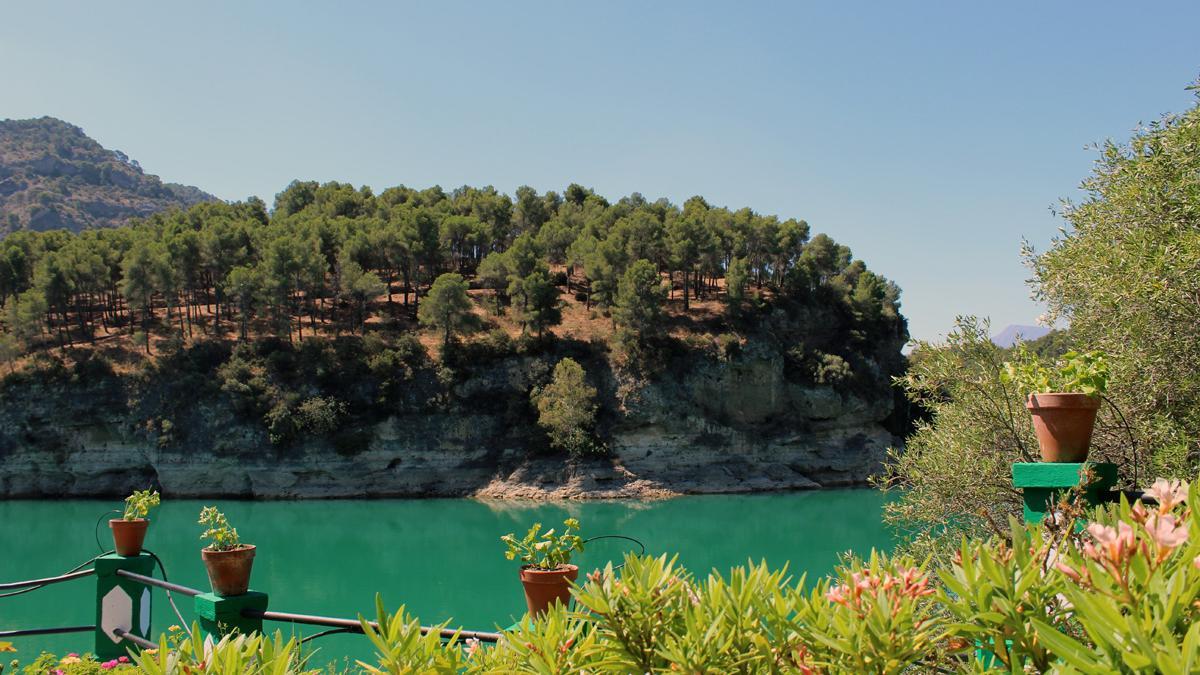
(347, 343)
(52, 176)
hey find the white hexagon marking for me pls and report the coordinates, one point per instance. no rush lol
(144, 613)
(116, 611)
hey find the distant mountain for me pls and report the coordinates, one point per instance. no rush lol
(1008, 337)
(52, 175)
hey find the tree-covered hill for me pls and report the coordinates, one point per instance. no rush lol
(53, 176)
(340, 309)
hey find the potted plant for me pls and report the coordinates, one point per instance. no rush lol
(1063, 400)
(129, 531)
(227, 560)
(546, 572)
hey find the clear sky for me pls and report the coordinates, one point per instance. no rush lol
(929, 137)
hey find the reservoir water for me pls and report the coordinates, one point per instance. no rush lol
(441, 558)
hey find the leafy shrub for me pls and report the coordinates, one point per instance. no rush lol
(567, 409)
(830, 369)
(320, 415)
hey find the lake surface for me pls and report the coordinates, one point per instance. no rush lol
(441, 558)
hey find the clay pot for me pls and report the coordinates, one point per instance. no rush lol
(544, 587)
(229, 571)
(1063, 424)
(128, 535)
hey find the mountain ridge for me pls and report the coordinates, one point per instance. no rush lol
(53, 175)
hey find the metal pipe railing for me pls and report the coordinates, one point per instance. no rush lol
(354, 625)
(151, 581)
(130, 637)
(48, 580)
(46, 631)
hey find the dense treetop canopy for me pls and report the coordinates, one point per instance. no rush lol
(332, 259)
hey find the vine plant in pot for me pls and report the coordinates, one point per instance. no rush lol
(227, 560)
(129, 531)
(1063, 400)
(546, 570)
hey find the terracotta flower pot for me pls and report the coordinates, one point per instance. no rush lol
(128, 535)
(229, 571)
(1063, 424)
(544, 587)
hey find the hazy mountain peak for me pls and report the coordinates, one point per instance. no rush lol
(1008, 337)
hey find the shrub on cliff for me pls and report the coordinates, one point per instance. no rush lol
(567, 409)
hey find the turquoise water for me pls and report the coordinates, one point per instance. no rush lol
(441, 558)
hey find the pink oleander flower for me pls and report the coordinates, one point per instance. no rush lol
(1168, 493)
(1071, 573)
(1115, 544)
(473, 647)
(109, 665)
(1166, 532)
(122, 659)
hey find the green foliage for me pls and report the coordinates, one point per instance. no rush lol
(545, 550)
(402, 648)
(1123, 275)
(138, 504)
(220, 535)
(448, 307)
(1074, 373)
(830, 369)
(10, 350)
(638, 309)
(567, 409)
(875, 616)
(188, 654)
(320, 415)
(976, 419)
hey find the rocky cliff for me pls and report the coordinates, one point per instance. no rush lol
(719, 426)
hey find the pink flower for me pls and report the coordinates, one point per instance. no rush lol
(122, 659)
(1166, 532)
(109, 665)
(1115, 544)
(1168, 493)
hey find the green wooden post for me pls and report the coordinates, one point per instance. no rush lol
(222, 615)
(1042, 483)
(121, 603)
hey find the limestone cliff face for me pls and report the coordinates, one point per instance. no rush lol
(733, 426)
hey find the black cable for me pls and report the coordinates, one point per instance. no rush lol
(618, 536)
(96, 528)
(182, 623)
(162, 568)
(331, 631)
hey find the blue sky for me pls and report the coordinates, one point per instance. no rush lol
(929, 137)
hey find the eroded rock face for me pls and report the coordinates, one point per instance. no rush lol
(720, 427)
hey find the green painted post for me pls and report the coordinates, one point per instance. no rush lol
(1041, 484)
(121, 603)
(220, 616)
